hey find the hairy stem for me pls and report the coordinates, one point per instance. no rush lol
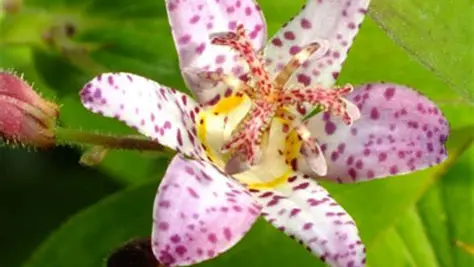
(129, 142)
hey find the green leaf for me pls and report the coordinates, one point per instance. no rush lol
(51, 67)
(412, 231)
(91, 235)
(437, 230)
(437, 33)
(37, 194)
(432, 211)
(128, 213)
(391, 249)
(458, 196)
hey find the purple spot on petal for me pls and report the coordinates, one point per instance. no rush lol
(330, 127)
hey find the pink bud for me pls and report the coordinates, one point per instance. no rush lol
(25, 117)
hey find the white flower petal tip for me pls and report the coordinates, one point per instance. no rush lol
(193, 24)
(142, 103)
(306, 212)
(399, 131)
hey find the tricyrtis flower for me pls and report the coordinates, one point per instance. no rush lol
(246, 148)
(25, 117)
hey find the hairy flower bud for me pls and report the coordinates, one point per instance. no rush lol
(25, 117)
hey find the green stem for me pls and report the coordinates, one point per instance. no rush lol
(15, 44)
(130, 142)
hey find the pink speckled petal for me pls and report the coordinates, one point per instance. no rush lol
(192, 24)
(161, 113)
(199, 213)
(399, 131)
(333, 23)
(306, 212)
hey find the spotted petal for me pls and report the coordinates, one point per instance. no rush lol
(333, 23)
(199, 213)
(305, 211)
(161, 113)
(399, 131)
(193, 22)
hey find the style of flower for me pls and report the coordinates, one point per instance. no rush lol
(247, 148)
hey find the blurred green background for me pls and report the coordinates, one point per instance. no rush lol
(57, 213)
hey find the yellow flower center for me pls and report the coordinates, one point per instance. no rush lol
(281, 147)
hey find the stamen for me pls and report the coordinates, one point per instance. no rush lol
(329, 100)
(297, 60)
(242, 44)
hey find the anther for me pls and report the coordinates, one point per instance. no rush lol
(296, 61)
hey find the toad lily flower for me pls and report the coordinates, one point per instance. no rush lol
(246, 149)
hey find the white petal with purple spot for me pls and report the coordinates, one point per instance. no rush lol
(333, 23)
(193, 22)
(306, 212)
(199, 213)
(161, 113)
(399, 131)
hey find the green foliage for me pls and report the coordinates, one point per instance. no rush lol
(438, 33)
(413, 220)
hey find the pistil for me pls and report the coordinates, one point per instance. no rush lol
(241, 44)
(246, 140)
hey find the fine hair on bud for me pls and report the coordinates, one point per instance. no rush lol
(25, 117)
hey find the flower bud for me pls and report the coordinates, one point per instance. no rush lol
(11, 6)
(25, 117)
(93, 156)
